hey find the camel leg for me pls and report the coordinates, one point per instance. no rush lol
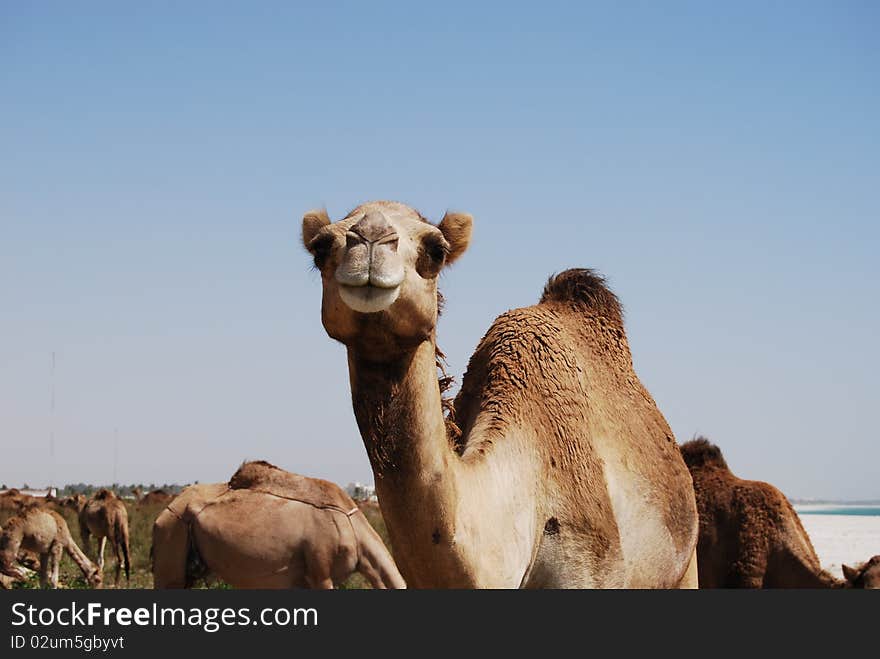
(322, 584)
(690, 580)
(44, 570)
(371, 575)
(55, 558)
(101, 545)
(169, 551)
(118, 553)
(86, 538)
(318, 573)
(374, 562)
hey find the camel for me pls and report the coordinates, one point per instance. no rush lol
(155, 497)
(15, 501)
(46, 533)
(750, 535)
(75, 502)
(553, 467)
(268, 528)
(152, 498)
(104, 515)
(866, 575)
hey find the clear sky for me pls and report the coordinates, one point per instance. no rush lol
(718, 162)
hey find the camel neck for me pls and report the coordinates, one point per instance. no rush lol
(398, 409)
(10, 542)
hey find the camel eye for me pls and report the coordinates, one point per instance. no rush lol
(436, 248)
(321, 247)
(432, 255)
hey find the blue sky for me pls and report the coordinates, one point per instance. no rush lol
(719, 164)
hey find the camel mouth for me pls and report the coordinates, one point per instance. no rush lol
(369, 298)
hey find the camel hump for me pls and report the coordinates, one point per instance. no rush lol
(584, 288)
(700, 452)
(265, 477)
(104, 494)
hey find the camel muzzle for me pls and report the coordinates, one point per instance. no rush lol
(12, 571)
(371, 270)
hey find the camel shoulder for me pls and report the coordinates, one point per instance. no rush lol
(758, 498)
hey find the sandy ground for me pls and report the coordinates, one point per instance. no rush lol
(838, 539)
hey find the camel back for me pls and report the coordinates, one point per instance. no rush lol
(261, 476)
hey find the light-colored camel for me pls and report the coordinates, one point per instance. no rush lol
(750, 535)
(268, 528)
(45, 533)
(866, 575)
(555, 469)
(104, 516)
(14, 501)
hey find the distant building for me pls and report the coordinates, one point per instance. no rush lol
(49, 492)
(361, 492)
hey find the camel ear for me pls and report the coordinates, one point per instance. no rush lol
(456, 228)
(313, 222)
(849, 573)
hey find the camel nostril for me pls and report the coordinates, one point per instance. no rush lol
(372, 227)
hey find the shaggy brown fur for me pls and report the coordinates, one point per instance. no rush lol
(750, 536)
(45, 533)
(557, 448)
(586, 289)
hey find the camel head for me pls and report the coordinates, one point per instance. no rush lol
(866, 575)
(8, 558)
(10, 543)
(379, 267)
(96, 578)
(10, 569)
(74, 502)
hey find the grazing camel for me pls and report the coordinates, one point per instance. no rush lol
(554, 468)
(44, 532)
(866, 575)
(155, 497)
(105, 517)
(268, 528)
(14, 501)
(750, 536)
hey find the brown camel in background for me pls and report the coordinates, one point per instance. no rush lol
(155, 497)
(14, 501)
(556, 469)
(268, 528)
(750, 535)
(46, 533)
(75, 502)
(866, 575)
(104, 516)
(152, 498)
